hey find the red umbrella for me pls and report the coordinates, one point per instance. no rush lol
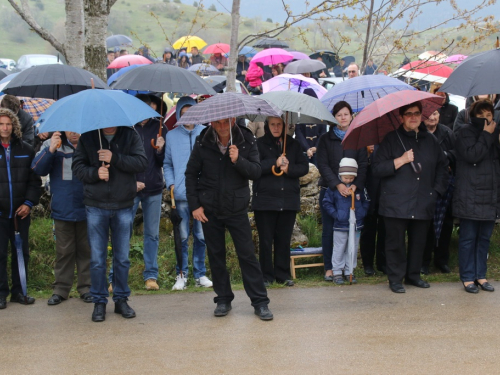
(377, 119)
(217, 48)
(127, 60)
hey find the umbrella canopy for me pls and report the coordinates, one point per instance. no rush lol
(304, 108)
(127, 60)
(363, 90)
(270, 43)
(163, 78)
(52, 81)
(118, 40)
(4, 73)
(204, 69)
(304, 66)
(94, 109)
(272, 56)
(293, 82)
(35, 106)
(430, 71)
(4, 81)
(371, 125)
(330, 58)
(247, 51)
(217, 48)
(218, 83)
(299, 55)
(455, 59)
(114, 77)
(348, 60)
(478, 75)
(188, 42)
(229, 105)
(432, 55)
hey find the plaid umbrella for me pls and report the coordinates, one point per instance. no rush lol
(442, 204)
(229, 105)
(35, 106)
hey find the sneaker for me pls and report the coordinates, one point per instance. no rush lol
(180, 283)
(338, 279)
(152, 285)
(204, 282)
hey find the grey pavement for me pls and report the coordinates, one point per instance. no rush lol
(359, 329)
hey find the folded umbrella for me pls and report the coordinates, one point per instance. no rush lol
(293, 82)
(176, 220)
(272, 56)
(304, 66)
(18, 242)
(118, 40)
(127, 60)
(352, 250)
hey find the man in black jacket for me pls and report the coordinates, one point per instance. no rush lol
(218, 194)
(108, 174)
(20, 190)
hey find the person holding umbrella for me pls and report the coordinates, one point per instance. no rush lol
(276, 199)
(413, 171)
(20, 190)
(180, 143)
(242, 68)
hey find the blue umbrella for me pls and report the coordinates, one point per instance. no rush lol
(115, 76)
(4, 81)
(94, 109)
(18, 242)
(363, 90)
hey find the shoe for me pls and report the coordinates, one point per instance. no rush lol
(339, 280)
(264, 313)
(382, 269)
(87, 297)
(222, 309)
(151, 284)
(204, 282)
(3, 302)
(288, 283)
(471, 288)
(99, 313)
(486, 286)
(424, 270)
(444, 268)
(180, 283)
(418, 283)
(122, 307)
(267, 284)
(56, 299)
(347, 279)
(369, 271)
(110, 288)
(329, 278)
(21, 299)
(397, 287)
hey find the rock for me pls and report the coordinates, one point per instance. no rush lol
(298, 238)
(309, 206)
(310, 190)
(311, 176)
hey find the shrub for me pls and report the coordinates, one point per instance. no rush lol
(212, 8)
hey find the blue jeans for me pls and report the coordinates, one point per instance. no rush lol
(473, 245)
(327, 235)
(199, 268)
(99, 222)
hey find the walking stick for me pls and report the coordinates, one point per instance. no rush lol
(285, 131)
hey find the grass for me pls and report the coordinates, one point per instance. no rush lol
(42, 249)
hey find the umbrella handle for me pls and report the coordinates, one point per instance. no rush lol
(352, 198)
(418, 168)
(15, 223)
(172, 197)
(153, 144)
(274, 170)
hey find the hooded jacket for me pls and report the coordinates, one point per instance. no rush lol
(66, 189)
(448, 113)
(214, 182)
(254, 75)
(179, 145)
(404, 193)
(128, 160)
(278, 193)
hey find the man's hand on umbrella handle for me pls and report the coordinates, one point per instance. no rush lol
(199, 214)
(343, 190)
(55, 142)
(353, 188)
(104, 172)
(105, 155)
(23, 211)
(233, 153)
(160, 142)
(140, 186)
(490, 128)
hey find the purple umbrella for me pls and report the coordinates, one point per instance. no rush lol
(293, 82)
(299, 56)
(273, 56)
(455, 59)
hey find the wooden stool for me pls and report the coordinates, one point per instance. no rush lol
(304, 253)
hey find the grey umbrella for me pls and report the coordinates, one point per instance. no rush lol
(476, 75)
(118, 40)
(270, 43)
(4, 73)
(303, 109)
(304, 66)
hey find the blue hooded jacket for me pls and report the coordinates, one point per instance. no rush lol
(179, 144)
(339, 208)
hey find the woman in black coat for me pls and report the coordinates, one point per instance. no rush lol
(329, 154)
(407, 195)
(476, 200)
(276, 199)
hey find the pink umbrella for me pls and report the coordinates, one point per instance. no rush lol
(299, 56)
(217, 48)
(273, 56)
(293, 82)
(127, 60)
(455, 59)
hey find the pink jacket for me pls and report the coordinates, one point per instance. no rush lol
(254, 75)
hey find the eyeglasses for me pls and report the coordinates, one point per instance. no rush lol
(412, 114)
(351, 71)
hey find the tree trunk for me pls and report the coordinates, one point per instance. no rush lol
(367, 39)
(75, 33)
(233, 57)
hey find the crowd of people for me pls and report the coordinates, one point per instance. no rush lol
(98, 180)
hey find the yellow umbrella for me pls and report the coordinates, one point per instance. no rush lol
(189, 41)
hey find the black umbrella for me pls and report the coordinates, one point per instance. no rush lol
(176, 219)
(4, 73)
(20, 260)
(330, 58)
(270, 43)
(53, 81)
(218, 83)
(118, 40)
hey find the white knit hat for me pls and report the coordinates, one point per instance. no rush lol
(348, 167)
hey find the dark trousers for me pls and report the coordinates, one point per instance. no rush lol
(72, 248)
(372, 241)
(6, 236)
(327, 235)
(400, 263)
(275, 227)
(442, 248)
(215, 239)
(473, 246)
